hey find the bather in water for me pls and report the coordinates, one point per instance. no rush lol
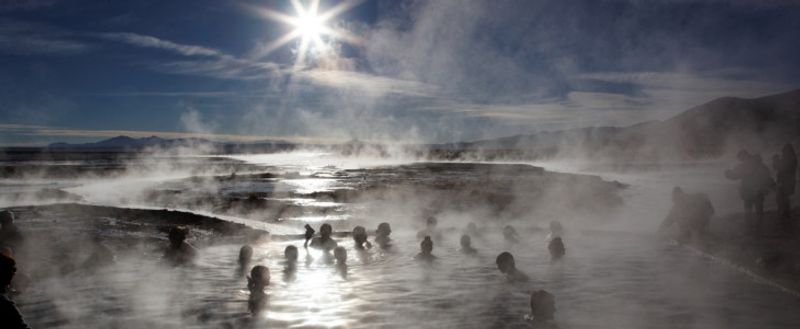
(466, 245)
(179, 252)
(360, 238)
(426, 249)
(10, 235)
(382, 235)
(543, 308)
(556, 248)
(505, 263)
(256, 283)
(324, 240)
(245, 255)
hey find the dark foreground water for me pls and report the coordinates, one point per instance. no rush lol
(607, 280)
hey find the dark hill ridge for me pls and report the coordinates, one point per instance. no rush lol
(705, 131)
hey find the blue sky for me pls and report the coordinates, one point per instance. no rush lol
(413, 71)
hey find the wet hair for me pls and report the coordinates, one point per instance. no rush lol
(290, 252)
(384, 229)
(259, 277)
(505, 261)
(426, 245)
(8, 266)
(245, 254)
(6, 217)
(178, 234)
(326, 229)
(466, 241)
(359, 235)
(543, 305)
(340, 254)
(556, 247)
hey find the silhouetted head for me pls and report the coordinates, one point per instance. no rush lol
(340, 254)
(325, 231)
(556, 247)
(245, 254)
(359, 235)
(177, 235)
(259, 278)
(505, 262)
(543, 305)
(8, 266)
(466, 242)
(6, 218)
(743, 155)
(426, 246)
(471, 227)
(290, 253)
(677, 193)
(431, 222)
(384, 229)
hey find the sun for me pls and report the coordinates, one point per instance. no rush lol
(310, 27)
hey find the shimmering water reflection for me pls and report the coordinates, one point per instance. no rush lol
(605, 281)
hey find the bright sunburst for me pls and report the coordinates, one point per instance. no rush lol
(310, 27)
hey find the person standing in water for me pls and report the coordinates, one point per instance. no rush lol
(506, 264)
(543, 307)
(10, 317)
(324, 241)
(426, 250)
(785, 165)
(382, 235)
(692, 213)
(257, 282)
(10, 235)
(179, 252)
(360, 238)
(755, 183)
(466, 246)
(556, 248)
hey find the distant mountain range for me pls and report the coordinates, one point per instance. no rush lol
(709, 130)
(705, 131)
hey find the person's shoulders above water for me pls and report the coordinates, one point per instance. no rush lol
(9, 313)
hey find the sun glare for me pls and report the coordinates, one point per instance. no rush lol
(310, 26)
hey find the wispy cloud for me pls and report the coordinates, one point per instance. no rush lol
(147, 41)
(26, 38)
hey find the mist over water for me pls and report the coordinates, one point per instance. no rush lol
(616, 272)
